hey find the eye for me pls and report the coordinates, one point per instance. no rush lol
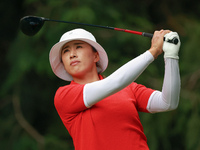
(77, 47)
(65, 50)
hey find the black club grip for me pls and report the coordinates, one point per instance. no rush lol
(174, 40)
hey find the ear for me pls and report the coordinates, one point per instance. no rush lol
(96, 56)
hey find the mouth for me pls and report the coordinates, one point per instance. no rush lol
(74, 63)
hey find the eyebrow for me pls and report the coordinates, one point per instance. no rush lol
(64, 47)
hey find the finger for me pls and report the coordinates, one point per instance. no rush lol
(158, 33)
(167, 31)
(161, 31)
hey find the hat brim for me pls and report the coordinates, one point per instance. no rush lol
(58, 67)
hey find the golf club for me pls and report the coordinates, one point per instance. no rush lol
(30, 25)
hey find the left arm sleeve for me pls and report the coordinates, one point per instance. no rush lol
(168, 99)
(121, 78)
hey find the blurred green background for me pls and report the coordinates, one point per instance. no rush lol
(28, 119)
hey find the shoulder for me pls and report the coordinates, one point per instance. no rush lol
(69, 98)
(140, 90)
(68, 91)
(135, 86)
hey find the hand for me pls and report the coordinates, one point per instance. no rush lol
(157, 42)
(171, 50)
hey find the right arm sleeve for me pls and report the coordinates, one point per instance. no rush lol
(168, 99)
(96, 91)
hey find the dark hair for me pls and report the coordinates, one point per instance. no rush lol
(94, 50)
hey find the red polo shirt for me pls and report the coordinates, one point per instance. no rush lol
(111, 124)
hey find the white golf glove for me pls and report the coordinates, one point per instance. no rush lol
(171, 50)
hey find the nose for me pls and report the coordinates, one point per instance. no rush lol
(73, 54)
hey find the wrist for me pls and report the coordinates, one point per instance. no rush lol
(155, 52)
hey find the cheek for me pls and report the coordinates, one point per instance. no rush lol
(89, 56)
(65, 61)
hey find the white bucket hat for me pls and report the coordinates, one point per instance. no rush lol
(76, 34)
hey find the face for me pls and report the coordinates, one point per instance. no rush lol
(79, 58)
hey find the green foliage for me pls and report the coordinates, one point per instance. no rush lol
(25, 66)
(53, 142)
(24, 143)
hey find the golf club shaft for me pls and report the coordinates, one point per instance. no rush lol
(174, 40)
(30, 25)
(105, 27)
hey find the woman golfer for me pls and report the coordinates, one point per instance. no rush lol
(102, 114)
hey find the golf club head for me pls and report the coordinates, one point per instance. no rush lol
(30, 25)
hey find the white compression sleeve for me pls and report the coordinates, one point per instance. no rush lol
(96, 91)
(168, 99)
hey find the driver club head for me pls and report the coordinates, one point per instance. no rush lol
(30, 25)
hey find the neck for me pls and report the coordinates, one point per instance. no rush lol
(87, 79)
